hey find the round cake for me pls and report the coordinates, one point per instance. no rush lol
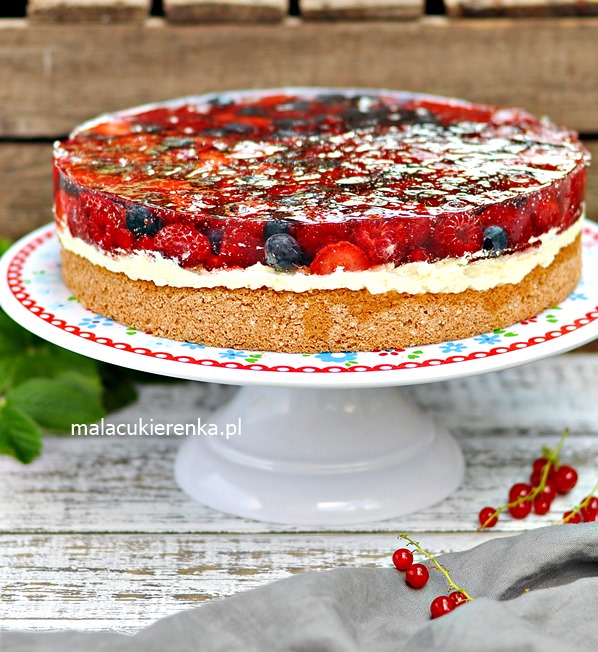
(310, 220)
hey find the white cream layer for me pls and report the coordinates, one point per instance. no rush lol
(447, 276)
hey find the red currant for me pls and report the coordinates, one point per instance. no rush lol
(589, 512)
(417, 576)
(565, 479)
(519, 490)
(549, 492)
(402, 559)
(521, 510)
(535, 478)
(441, 605)
(484, 517)
(458, 598)
(541, 505)
(576, 518)
(540, 463)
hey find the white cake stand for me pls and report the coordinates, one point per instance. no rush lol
(324, 439)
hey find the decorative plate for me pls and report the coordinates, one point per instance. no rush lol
(33, 293)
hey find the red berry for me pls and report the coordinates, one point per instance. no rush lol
(535, 478)
(576, 518)
(182, 242)
(541, 505)
(458, 234)
(417, 255)
(378, 241)
(241, 246)
(441, 605)
(565, 479)
(402, 559)
(458, 598)
(519, 490)
(313, 237)
(589, 512)
(549, 491)
(521, 510)
(104, 219)
(340, 254)
(417, 576)
(485, 514)
(539, 463)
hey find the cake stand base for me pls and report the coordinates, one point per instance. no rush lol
(319, 457)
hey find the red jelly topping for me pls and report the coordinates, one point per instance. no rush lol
(353, 179)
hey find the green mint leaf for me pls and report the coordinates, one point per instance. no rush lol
(49, 361)
(119, 391)
(57, 404)
(9, 367)
(12, 336)
(19, 434)
(4, 245)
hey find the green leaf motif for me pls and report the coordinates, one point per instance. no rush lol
(19, 434)
(57, 404)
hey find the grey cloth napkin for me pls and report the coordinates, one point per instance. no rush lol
(536, 591)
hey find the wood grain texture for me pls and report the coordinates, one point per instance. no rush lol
(26, 186)
(92, 11)
(547, 66)
(63, 518)
(360, 9)
(520, 8)
(225, 11)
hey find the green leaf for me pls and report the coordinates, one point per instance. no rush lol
(19, 434)
(12, 336)
(49, 361)
(4, 245)
(9, 366)
(57, 404)
(119, 391)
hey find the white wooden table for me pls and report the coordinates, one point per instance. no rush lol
(96, 534)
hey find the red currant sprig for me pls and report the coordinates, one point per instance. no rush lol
(547, 478)
(417, 575)
(585, 512)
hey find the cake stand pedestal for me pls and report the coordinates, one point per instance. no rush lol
(324, 439)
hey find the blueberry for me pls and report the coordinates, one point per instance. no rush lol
(215, 238)
(68, 185)
(141, 221)
(495, 240)
(276, 226)
(238, 128)
(283, 251)
(252, 110)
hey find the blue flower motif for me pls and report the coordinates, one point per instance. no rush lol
(192, 345)
(94, 322)
(336, 357)
(574, 296)
(230, 354)
(487, 339)
(455, 347)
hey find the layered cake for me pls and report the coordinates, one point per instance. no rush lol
(307, 220)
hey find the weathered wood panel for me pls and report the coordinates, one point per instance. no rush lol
(360, 9)
(77, 581)
(52, 78)
(92, 11)
(225, 11)
(26, 186)
(521, 8)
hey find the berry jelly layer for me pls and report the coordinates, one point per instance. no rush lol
(314, 183)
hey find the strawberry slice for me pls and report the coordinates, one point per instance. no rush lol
(343, 254)
(457, 234)
(183, 243)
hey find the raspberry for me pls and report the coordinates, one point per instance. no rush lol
(104, 218)
(182, 243)
(312, 237)
(378, 241)
(413, 232)
(456, 235)
(239, 246)
(343, 255)
(545, 213)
